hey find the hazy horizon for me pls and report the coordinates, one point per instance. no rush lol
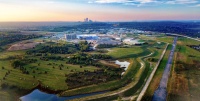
(100, 21)
(98, 10)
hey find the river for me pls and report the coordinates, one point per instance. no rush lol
(38, 95)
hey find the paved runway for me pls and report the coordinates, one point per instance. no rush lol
(161, 93)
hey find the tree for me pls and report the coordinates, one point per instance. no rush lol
(119, 99)
(81, 66)
(3, 67)
(17, 63)
(33, 71)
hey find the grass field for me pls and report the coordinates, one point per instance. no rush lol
(184, 84)
(148, 69)
(7, 54)
(184, 81)
(114, 84)
(121, 53)
(158, 75)
(167, 39)
(138, 75)
(54, 78)
(17, 84)
(53, 74)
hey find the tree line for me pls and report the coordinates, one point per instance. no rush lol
(11, 38)
(85, 59)
(53, 48)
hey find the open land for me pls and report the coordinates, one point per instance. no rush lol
(180, 85)
(51, 64)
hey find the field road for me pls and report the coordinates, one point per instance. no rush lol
(183, 36)
(161, 93)
(150, 77)
(121, 90)
(142, 66)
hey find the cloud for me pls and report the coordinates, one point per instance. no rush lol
(197, 5)
(122, 1)
(182, 2)
(144, 2)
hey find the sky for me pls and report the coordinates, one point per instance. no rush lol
(98, 10)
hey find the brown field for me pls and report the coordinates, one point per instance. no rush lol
(178, 86)
(184, 83)
(22, 46)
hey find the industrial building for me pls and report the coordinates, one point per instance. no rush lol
(88, 37)
(70, 37)
(108, 41)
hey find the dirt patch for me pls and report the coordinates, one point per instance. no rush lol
(184, 84)
(22, 46)
(179, 88)
(181, 57)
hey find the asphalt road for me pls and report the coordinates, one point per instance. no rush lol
(161, 93)
(150, 77)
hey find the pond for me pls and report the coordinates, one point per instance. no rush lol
(38, 95)
(124, 64)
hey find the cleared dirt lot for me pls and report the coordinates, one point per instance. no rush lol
(22, 46)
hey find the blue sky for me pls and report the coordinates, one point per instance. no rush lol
(99, 10)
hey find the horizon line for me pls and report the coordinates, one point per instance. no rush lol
(94, 21)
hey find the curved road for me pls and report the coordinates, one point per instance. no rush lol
(123, 89)
(161, 93)
(150, 77)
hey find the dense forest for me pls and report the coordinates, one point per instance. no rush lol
(183, 28)
(87, 78)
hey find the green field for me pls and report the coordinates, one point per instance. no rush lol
(121, 53)
(156, 79)
(184, 83)
(49, 75)
(135, 72)
(114, 84)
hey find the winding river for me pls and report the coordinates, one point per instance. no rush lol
(38, 95)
